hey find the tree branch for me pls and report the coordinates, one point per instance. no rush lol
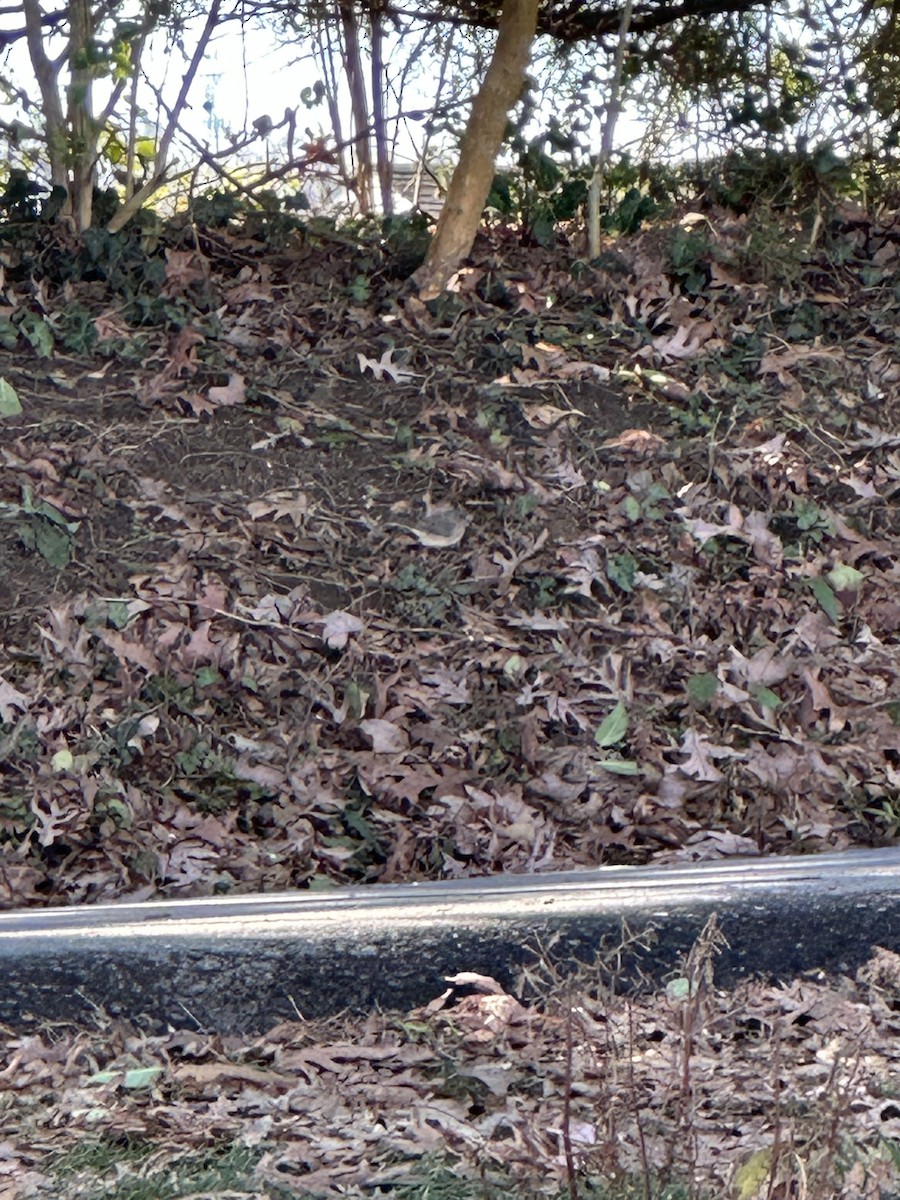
(576, 22)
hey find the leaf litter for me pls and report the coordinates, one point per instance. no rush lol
(656, 621)
(279, 611)
(561, 1084)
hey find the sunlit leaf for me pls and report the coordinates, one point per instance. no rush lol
(844, 579)
(680, 989)
(137, 1077)
(10, 405)
(62, 760)
(613, 728)
(751, 1177)
(620, 766)
(514, 666)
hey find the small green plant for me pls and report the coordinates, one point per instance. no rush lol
(689, 260)
(538, 194)
(406, 240)
(628, 214)
(610, 737)
(268, 215)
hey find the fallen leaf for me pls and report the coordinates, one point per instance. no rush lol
(11, 698)
(385, 736)
(384, 366)
(234, 392)
(337, 628)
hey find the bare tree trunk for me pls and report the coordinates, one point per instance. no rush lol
(471, 182)
(382, 144)
(47, 75)
(358, 104)
(613, 108)
(82, 127)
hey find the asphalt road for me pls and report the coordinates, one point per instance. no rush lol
(242, 964)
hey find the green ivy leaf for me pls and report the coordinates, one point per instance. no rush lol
(10, 405)
(632, 508)
(701, 688)
(54, 542)
(613, 728)
(620, 766)
(118, 614)
(37, 333)
(842, 578)
(9, 335)
(822, 591)
(621, 570)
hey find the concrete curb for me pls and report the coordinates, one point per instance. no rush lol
(242, 964)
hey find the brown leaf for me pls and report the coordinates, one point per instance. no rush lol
(385, 737)
(234, 392)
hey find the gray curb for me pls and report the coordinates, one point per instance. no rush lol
(242, 964)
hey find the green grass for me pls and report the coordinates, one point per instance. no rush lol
(111, 1170)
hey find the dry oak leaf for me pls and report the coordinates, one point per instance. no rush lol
(548, 416)
(223, 1073)
(109, 327)
(385, 736)
(337, 628)
(384, 366)
(687, 340)
(233, 393)
(11, 698)
(635, 441)
(183, 269)
(700, 753)
(285, 503)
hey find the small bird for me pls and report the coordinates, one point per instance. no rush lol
(441, 527)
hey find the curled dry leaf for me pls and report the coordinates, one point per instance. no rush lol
(635, 441)
(338, 627)
(384, 367)
(234, 392)
(385, 736)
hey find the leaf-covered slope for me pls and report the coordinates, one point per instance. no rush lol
(306, 581)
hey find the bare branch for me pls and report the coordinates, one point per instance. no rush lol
(134, 202)
(577, 22)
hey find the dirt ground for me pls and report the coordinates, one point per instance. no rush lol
(306, 582)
